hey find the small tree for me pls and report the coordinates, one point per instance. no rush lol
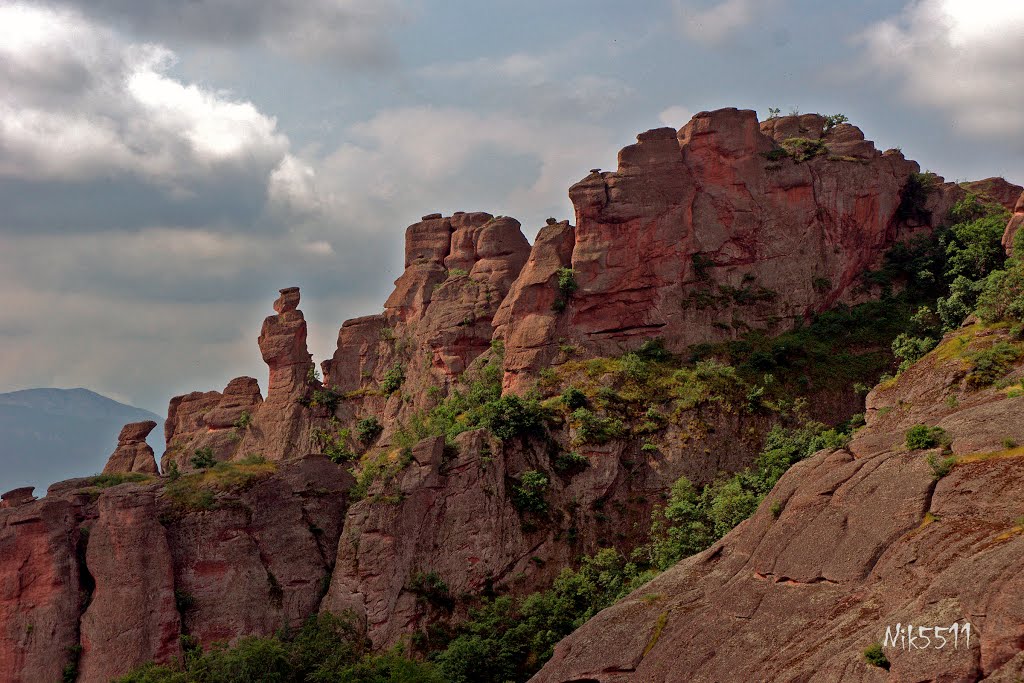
(203, 458)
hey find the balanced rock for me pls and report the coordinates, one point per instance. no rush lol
(133, 454)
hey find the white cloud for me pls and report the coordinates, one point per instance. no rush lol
(676, 116)
(720, 21)
(82, 102)
(961, 56)
(405, 162)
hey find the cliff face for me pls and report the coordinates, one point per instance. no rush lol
(723, 226)
(849, 543)
(122, 572)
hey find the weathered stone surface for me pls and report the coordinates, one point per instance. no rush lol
(133, 454)
(527, 320)
(39, 590)
(702, 234)
(16, 497)
(132, 618)
(207, 420)
(996, 189)
(866, 539)
(108, 569)
(1016, 220)
(260, 559)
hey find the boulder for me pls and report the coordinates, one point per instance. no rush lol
(133, 454)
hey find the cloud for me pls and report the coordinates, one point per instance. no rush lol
(405, 162)
(352, 32)
(83, 103)
(717, 23)
(960, 56)
(547, 83)
(676, 116)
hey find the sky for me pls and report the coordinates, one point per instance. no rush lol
(166, 167)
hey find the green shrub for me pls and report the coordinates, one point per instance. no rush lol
(909, 349)
(104, 481)
(244, 421)
(1002, 293)
(393, 379)
(431, 588)
(914, 197)
(511, 415)
(529, 493)
(833, 120)
(592, 428)
(573, 398)
(566, 462)
(941, 466)
(368, 429)
(203, 458)
(567, 286)
(326, 648)
(874, 656)
(988, 365)
(326, 398)
(333, 443)
(920, 437)
(803, 149)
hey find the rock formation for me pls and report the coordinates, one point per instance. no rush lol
(861, 539)
(997, 190)
(721, 227)
(1016, 220)
(133, 454)
(724, 226)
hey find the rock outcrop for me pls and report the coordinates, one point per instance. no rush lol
(133, 454)
(119, 574)
(849, 543)
(723, 226)
(998, 190)
(701, 234)
(1016, 220)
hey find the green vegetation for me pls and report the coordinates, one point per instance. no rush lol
(333, 443)
(105, 481)
(393, 379)
(368, 429)
(530, 491)
(874, 656)
(381, 468)
(203, 458)
(326, 648)
(326, 398)
(833, 120)
(941, 466)
(920, 437)
(457, 272)
(914, 197)
(803, 149)
(429, 587)
(567, 286)
(509, 639)
(573, 398)
(243, 422)
(988, 365)
(198, 490)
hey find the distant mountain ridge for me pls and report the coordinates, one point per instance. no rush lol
(50, 434)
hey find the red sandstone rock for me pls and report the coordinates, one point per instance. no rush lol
(16, 497)
(998, 190)
(1016, 220)
(207, 420)
(702, 234)
(132, 618)
(133, 454)
(866, 539)
(39, 590)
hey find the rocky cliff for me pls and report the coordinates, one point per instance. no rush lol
(513, 408)
(850, 543)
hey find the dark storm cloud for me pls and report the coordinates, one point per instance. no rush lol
(356, 32)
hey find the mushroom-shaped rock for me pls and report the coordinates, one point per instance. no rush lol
(133, 454)
(16, 497)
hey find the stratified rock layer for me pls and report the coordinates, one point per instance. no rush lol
(849, 542)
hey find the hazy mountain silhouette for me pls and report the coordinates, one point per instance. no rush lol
(51, 434)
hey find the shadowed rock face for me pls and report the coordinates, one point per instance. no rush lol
(866, 538)
(1016, 220)
(719, 227)
(133, 454)
(124, 571)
